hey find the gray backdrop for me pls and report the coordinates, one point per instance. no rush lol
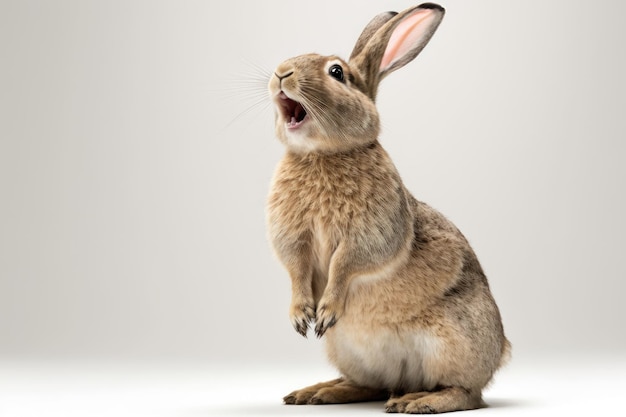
(135, 157)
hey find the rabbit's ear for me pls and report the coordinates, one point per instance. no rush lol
(411, 33)
(395, 43)
(370, 30)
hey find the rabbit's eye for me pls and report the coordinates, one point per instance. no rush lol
(336, 72)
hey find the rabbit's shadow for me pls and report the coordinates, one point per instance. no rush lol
(505, 403)
(365, 408)
(279, 409)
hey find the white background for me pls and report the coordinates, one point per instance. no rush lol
(136, 150)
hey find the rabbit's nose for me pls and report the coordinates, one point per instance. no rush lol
(282, 77)
(285, 75)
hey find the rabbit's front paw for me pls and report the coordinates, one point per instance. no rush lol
(327, 315)
(302, 312)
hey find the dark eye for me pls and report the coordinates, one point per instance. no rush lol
(336, 72)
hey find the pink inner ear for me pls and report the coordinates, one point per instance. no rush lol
(406, 36)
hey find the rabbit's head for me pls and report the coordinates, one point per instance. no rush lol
(326, 104)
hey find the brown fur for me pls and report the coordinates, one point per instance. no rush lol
(392, 284)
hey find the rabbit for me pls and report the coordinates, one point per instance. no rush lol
(392, 285)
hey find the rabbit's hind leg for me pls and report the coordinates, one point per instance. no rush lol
(441, 401)
(337, 391)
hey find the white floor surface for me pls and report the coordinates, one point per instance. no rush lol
(551, 386)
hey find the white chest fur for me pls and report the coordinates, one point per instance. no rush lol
(324, 244)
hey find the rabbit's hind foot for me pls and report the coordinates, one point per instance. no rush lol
(440, 401)
(337, 391)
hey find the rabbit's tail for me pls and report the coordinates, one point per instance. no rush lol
(506, 353)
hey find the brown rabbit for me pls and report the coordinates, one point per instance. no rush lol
(393, 285)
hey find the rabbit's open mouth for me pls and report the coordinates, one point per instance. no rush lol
(293, 112)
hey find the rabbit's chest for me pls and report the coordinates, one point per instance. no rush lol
(323, 202)
(322, 216)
